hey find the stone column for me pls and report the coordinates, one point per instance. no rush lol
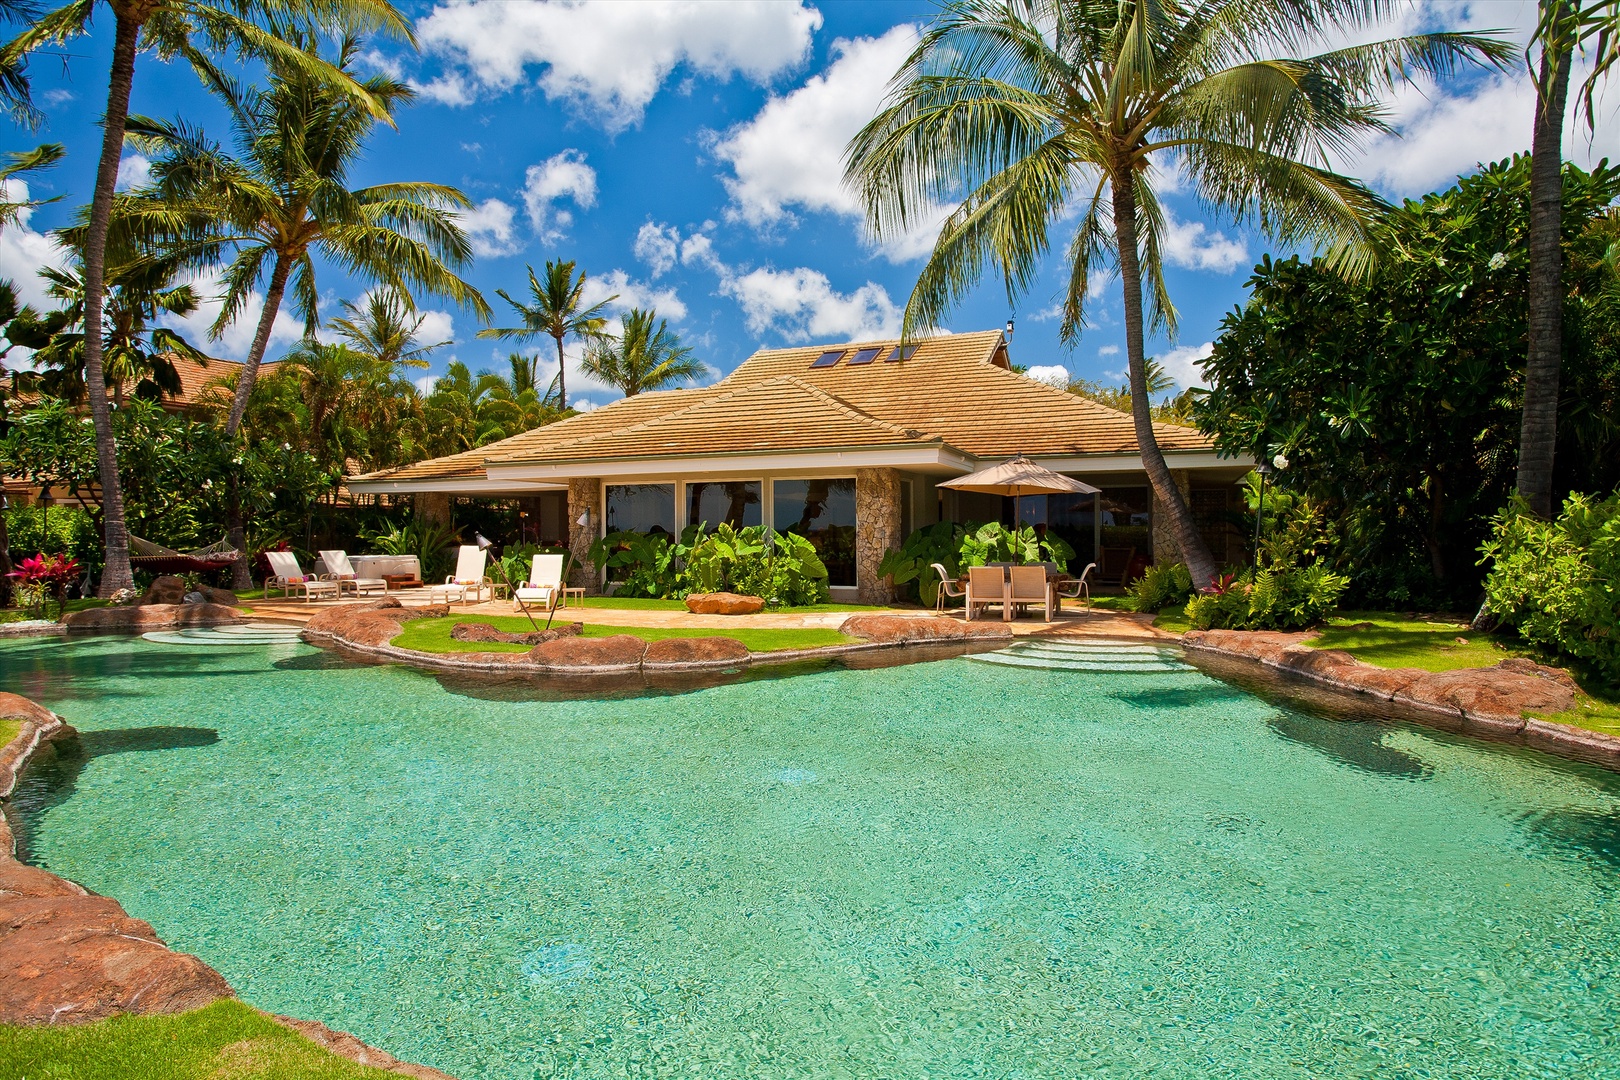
(877, 530)
(1165, 549)
(433, 506)
(584, 497)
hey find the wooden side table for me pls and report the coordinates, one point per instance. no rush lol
(569, 590)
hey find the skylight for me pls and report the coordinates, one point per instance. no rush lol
(828, 358)
(865, 356)
(903, 354)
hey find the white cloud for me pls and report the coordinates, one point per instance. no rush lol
(1193, 245)
(608, 59)
(790, 155)
(802, 305)
(488, 226)
(436, 326)
(426, 383)
(658, 246)
(237, 339)
(698, 250)
(59, 96)
(561, 176)
(632, 294)
(1052, 374)
(1108, 350)
(133, 171)
(23, 251)
(1181, 363)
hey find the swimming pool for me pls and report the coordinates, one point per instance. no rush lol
(945, 869)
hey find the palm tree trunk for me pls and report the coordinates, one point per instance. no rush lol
(241, 570)
(1538, 432)
(1194, 552)
(116, 573)
(562, 377)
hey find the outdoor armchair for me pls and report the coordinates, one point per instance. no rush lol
(286, 575)
(986, 585)
(949, 587)
(1028, 585)
(544, 585)
(340, 570)
(1076, 588)
(469, 578)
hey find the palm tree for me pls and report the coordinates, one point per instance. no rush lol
(175, 28)
(557, 312)
(385, 329)
(641, 356)
(1021, 111)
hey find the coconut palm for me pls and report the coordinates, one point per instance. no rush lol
(189, 29)
(557, 312)
(642, 356)
(385, 328)
(1021, 112)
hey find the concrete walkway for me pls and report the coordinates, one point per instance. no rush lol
(1073, 621)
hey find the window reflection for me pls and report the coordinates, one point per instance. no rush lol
(709, 502)
(642, 508)
(823, 512)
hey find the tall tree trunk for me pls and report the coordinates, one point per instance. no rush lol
(116, 573)
(1194, 552)
(1538, 433)
(241, 570)
(562, 377)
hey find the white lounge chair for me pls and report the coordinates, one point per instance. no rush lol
(286, 575)
(544, 585)
(1076, 588)
(340, 570)
(1028, 585)
(949, 587)
(986, 585)
(468, 579)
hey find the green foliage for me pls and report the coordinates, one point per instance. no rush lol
(782, 568)
(1396, 398)
(911, 564)
(994, 542)
(1163, 585)
(640, 566)
(1289, 598)
(1558, 582)
(429, 540)
(68, 529)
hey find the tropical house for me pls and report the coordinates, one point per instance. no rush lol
(845, 444)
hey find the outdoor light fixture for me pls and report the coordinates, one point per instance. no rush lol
(484, 544)
(1265, 469)
(1009, 328)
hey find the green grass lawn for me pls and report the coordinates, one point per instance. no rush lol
(225, 1039)
(433, 635)
(8, 730)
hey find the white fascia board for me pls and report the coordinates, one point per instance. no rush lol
(468, 486)
(798, 463)
(1199, 459)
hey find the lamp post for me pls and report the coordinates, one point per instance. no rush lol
(1277, 463)
(484, 544)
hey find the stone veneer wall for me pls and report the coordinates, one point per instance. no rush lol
(877, 529)
(1165, 549)
(584, 497)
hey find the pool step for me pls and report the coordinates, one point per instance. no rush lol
(1085, 656)
(238, 634)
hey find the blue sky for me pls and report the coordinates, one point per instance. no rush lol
(687, 156)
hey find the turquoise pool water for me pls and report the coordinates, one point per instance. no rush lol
(950, 869)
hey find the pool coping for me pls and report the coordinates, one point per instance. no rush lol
(40, 726)
(1357, 678)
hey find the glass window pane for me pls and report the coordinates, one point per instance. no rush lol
(737, 503)
(823, 512)
(642, 508)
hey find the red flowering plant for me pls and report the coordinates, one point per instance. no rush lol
(44, 578)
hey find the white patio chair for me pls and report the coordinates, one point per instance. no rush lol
(340, 570)
(986, 585)
(544, 586)
(1027, 585)
(1076, 588)
(949, 587)
(289, 577)
(468, 579)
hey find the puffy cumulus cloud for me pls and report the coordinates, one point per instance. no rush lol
(1051, 374)
(23, 251)
(1181, 363)
(237, 339)
(627, 293)
(1108, 350)
(134, 171)
(658, 246)
(436, 326)
(488, 226)
(1192, 244)
(802, 305)
(608, 59)
(789, 157)
(561, 176)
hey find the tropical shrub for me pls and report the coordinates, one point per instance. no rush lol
(1163, 585)
(68, 529)
(429, 540)
(1286, 598)
(911, 564)
(781, 568)
(639, 565)
(994, 542)
(1558, 582)
(43, 578)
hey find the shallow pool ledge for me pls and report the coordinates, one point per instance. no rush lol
(1490, 702)
(68, 956)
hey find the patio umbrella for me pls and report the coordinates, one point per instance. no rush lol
(1020, 476)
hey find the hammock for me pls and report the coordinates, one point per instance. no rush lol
(156, 557)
